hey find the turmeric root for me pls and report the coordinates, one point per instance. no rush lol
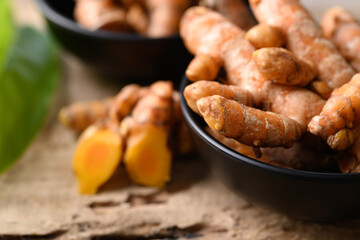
(202, 67)
(248, 125)
(165, 16)
(322, 88)
(104, 15)
(79, 116)
(147, 156)
(281, 66)
(263, 35)
(97, 155)
(304, 38)
(201, 89)
(236, 53)
(125, 101)
(341, 111)
(204, 33)
(234, 10)
(344, 31)
(137, 18)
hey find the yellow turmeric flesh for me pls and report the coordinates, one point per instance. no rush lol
(97, 155)
(147, 157)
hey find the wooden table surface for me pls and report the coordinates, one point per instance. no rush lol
(38, 196)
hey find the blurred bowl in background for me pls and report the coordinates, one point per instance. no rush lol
(310, 196)
(127, 56)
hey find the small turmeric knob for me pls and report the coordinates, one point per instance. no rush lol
(202, 67)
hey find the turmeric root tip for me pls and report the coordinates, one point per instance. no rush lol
(97, 155)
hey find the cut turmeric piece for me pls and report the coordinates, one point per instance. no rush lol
(147, 157)
(97, 155)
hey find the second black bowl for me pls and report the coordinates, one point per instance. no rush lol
(125, 55)
(311, 196)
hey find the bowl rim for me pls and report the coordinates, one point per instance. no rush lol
(339, 178)
(54, 16)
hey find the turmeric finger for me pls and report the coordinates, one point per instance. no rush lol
(341, 140)
(263, 36)
(125, 100)
(165, 16)
(304, 38)
(234, 10)
(281, 66)
(349, 160)
(97, 155)
(202, 67)
(156, 106)
(137, 19)
(248, 125)
(322, 88)
(201, 89)
(341, 27)
(205, 33)
(147, 156)
(104, 15)
(79, 116)
(341, 111)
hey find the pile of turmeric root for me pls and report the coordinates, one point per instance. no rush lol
(152, 18)
(141, 126)
(287, 89)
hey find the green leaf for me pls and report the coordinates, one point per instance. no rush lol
(27, 82)
(7, 31)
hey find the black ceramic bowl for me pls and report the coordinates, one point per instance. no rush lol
(128, 56)
(311, 196)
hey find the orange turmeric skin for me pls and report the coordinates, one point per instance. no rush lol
(165, 16)
(78, 116)
(281, 66)
(236, 54)
(248, 125)
(104, 15)
(341, 110)
(344, 31)
(200, 89)
(297, 103)
(264, 36)
(204, 33)
(304, 38)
